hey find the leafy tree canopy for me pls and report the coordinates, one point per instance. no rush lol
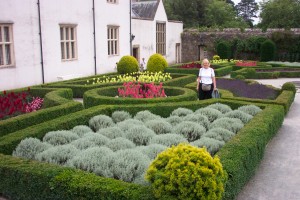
(247, 9)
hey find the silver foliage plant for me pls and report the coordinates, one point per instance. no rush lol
(223, 108)
(83, 143)
(111, 132)
(139, 135)
(145, 116)
(181, 112)
(212, 145)
(174, 120)
(250, 109)
(60, 137)
(81, 130)
(29, 148)
(126, 124)
(190, 130)
(152, 150)
(120, 144)
(231, 124)
(159, 126)
(120, 115)
(168, 139)
(244, 117)
(211, 113)
(197, 118)
(100, 121)
(220, 134)
(97, 139)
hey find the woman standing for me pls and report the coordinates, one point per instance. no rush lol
(206, 81)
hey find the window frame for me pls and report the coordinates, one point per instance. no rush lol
(4, 43)
(113, 40)
(68, 52)
(112, 1)
(161, 37)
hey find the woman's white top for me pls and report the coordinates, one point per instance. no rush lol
(206, 75)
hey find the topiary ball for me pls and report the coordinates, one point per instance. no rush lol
(289, 86)
(187, 172)
(156, 63)
(127, 64)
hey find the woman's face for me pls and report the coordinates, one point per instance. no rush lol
(205, 64)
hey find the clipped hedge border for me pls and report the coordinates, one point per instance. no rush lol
(266, 75)
(219, 71)
(57, 102)
(285, 98)
(108, 95)
(239, 157)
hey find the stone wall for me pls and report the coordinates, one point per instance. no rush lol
(194, 42)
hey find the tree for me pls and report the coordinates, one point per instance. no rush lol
(280, 14)
(221, 14)
(191, 12)
(247, 9)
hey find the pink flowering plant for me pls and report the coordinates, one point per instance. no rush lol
(13, 104)
(246, 63)
(141, 90)
(191, 65)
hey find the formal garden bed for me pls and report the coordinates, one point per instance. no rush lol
(25, 179)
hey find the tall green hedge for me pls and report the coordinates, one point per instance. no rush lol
(267, 51)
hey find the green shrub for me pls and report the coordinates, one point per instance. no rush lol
(187, 172)
(127, 64)
(156, 63)
(289, 86)
(190, 130)
(267, 51)
(212, 145)
(240, 77)
(30, 147)
(159, 126)
(223, 50)
(168, 139)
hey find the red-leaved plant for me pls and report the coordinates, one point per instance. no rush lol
(141, 90)
(246, 63)
(191, 65)
(13, 104)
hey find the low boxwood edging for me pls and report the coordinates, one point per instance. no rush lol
(220, 71)
(108, 95)
(239, 157)
(57, 103)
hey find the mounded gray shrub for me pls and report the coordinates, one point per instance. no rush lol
(244, 117)
(120, 143)
(223, 108)
(100, 121)
(159, 126)
(145, 116)
(111, 132)
(211, 113)
(58, 154)
(250, 109)
(120, 115)
(83, 143)
(97, 139)
(89, 159)
(139, 135)
(197, 118)
(190, 130)
(105, 169)
(29, 148)
(126, 124)
(60, 137)
(168, 139)
(174, 120)
(181, 112)
(211, 145)
(152, 150)
(81, 130)
(219, 134)
(129, 164)
(231, 124)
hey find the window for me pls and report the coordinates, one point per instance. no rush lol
(113, 40)
(6, 46)
(112, 1)
(68, 43)
(161, 38)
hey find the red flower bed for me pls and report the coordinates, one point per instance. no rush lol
(141, 90)
(191, 66)
(246, 63)
(13, 104)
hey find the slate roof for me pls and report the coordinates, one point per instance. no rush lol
(144, 10)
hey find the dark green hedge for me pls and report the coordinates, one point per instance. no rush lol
(264, 75)
(57, 103)
(219, 71)
(108, 95)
